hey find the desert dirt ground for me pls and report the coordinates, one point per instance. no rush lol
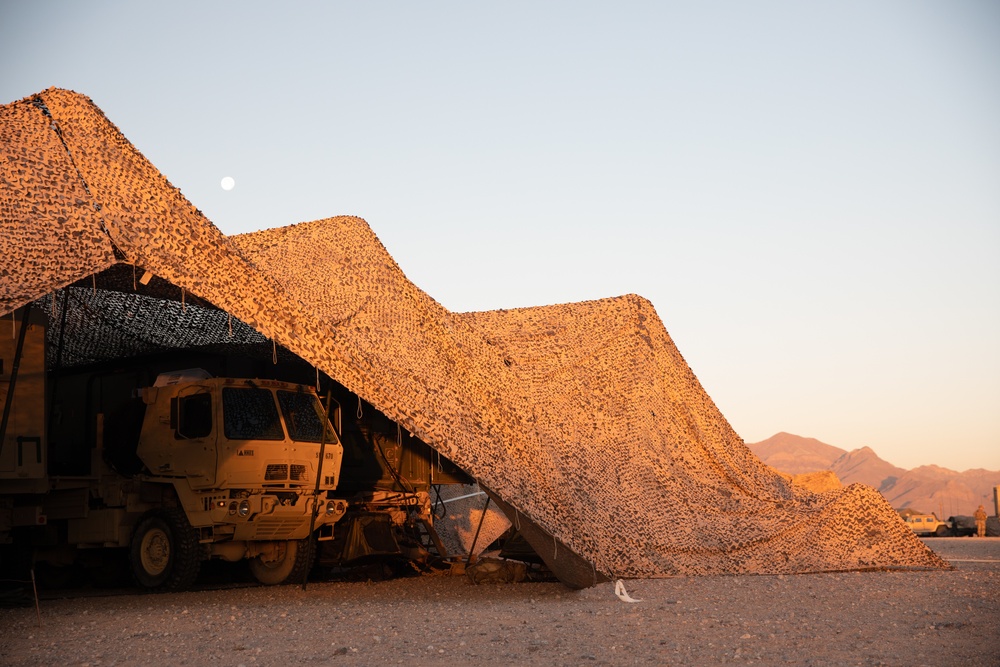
(858, 618)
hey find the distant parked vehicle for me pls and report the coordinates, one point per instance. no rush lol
(925, 525)
(962, 525)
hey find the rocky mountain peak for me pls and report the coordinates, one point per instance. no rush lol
(927, 488)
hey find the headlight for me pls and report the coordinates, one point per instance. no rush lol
(244, 508)
(232, 508)
(335, 507)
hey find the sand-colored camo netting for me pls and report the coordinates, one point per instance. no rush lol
(583, 420)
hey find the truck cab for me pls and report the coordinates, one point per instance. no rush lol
(243, 459)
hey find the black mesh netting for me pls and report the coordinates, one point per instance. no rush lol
(95, 325)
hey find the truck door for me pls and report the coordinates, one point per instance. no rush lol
(188, 447)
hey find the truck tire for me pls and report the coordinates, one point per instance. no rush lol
(291, 567)
(164, 553)
(942, 531)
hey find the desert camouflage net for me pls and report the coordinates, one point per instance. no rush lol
(468, 523)
(582, 420)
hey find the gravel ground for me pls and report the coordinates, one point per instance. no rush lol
(863, 618)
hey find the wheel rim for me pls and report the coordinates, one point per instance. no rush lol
(154, 551)
(282, 556)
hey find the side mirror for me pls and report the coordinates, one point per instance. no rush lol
(335, 417)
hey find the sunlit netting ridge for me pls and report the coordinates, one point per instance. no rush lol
(582, 420)
(612, 443)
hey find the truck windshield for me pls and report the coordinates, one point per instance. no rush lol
(250, 414)
(304, 417)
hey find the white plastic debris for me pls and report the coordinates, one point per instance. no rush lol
(622, 593)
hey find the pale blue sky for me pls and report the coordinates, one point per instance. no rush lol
(809, 193)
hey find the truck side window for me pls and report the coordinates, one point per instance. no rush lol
(194, 416)
(250, 414)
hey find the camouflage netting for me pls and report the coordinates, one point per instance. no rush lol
(468, 523)
(582, 420)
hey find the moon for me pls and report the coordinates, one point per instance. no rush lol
(228, 183)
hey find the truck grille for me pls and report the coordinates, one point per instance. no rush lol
(281, 472)
(283, 528)
(276, 471)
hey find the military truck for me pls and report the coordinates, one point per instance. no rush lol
(175, 471)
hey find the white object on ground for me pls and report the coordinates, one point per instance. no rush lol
(622, 593)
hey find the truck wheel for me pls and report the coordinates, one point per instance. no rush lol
(164, 551)
(942, 531)
(295, 559)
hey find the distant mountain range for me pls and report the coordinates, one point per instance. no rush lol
(929, 489)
